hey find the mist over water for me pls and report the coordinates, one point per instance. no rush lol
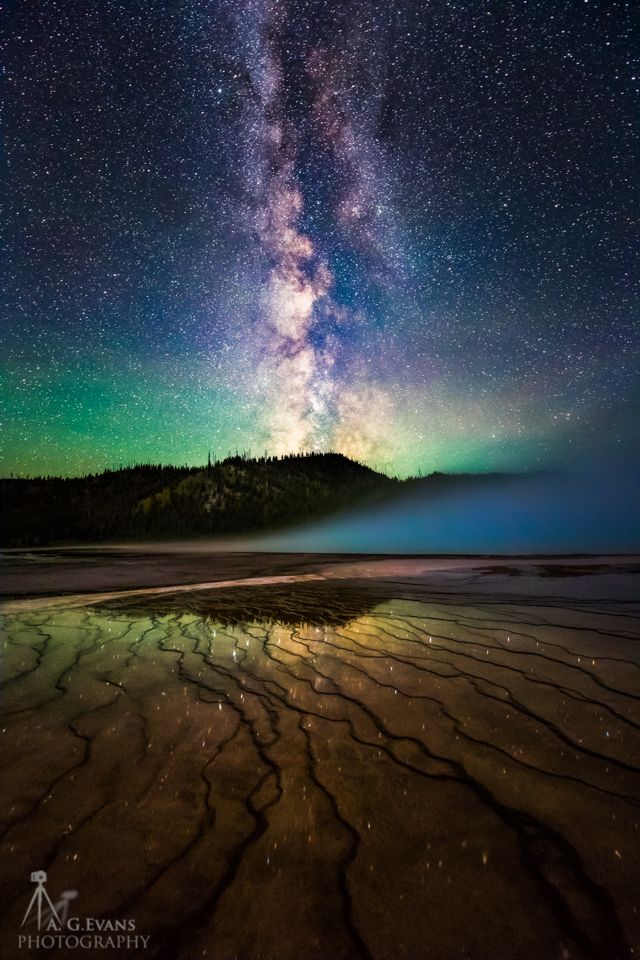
(597, 512)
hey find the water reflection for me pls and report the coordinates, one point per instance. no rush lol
(322, 603)
(300, 772)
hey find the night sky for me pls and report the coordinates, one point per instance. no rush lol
(403, 230)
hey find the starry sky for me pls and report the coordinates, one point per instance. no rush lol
(402, 230)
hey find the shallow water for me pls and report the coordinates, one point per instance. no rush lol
(328, 771)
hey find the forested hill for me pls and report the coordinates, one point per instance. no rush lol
(144, 502)
(236, 495)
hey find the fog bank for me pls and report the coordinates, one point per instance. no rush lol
(545, 513)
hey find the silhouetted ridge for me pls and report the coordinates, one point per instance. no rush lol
(239, 494)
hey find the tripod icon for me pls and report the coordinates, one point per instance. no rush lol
(39, 877)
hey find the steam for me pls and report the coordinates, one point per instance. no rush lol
(565, 513)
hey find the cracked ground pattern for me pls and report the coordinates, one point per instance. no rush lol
(326, 771)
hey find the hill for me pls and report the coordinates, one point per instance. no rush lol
(236, 495)
(147, 501)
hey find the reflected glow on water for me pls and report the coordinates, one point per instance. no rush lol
(320, 774)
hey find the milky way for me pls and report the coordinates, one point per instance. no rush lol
(305, 398)
(291, 371)
(403, 231)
